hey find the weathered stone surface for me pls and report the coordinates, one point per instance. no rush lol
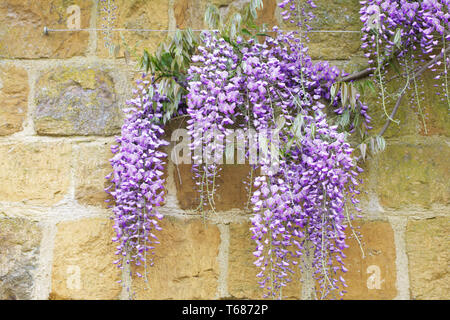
(23, 21)
(333, 46)
(427, 243)
(76, 101)
(191, 13)
(408, 121)
(83, 261)
(414, 174)
(434, 106)
(37, 173)
(135, 14)
(336, 15)
(19, 257)
(432, 114)
(373, 277)
(92, 166)
(14, 97)
(242, 280)
(185, 262)
(231, 178)
(333, 15)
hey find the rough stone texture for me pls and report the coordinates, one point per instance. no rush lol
(83, 261)
(135, 14)
(414, 174)
(35, 173)
(333, 15)
(427, 244)
(410, 122)
(186, 264)
(191, 13)
(231, 177)
(242, 280)
(434, 106)
(336, 15)
(92, 166)
(76, 101)
(19, 256)
(373, 277)
(23, 21)
(14, 97)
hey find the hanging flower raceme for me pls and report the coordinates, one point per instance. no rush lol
(404, 26)
(137, 177)
(300, 204)
(302, 208)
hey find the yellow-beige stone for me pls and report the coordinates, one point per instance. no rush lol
(134, 14)
(19, 258)
(339, 15)
(14, 97)
(35, 173)
(374, 276)
(186, 262)
(92, 166)
(414, 173)
(231, 177)
(242, 280)
(76, 101)
(23, 22)
(83, 261)
(427, 245)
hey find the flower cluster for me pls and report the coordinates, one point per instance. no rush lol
(251, 85)
(137, 177)
(297, 14)
(403, 26)
(301, 209)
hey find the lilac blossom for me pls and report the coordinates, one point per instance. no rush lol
(137, 177)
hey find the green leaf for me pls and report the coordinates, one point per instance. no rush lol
(363, 149)
(146, 61)
(313, 130)
(246, 32)
(353, 94)
(398, 38)
(166, 60)
(344, 94)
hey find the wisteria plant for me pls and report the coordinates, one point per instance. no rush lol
(238, 76)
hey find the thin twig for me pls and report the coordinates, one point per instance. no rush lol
(417, 74)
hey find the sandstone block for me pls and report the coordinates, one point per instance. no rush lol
(413, 174)
(83, 261)
(92, 166)
(74, 101)
(185, 262)
(19, 258)
(427, 244)
(37, 173)
(135, 14)
(374, 276)
(14, 97)
(242, 280)
(23, 21)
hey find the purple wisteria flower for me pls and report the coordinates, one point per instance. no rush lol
(137, 177)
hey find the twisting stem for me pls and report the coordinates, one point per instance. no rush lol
(416, 74)
(380, 78)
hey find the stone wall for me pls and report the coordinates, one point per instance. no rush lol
(61, 97)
